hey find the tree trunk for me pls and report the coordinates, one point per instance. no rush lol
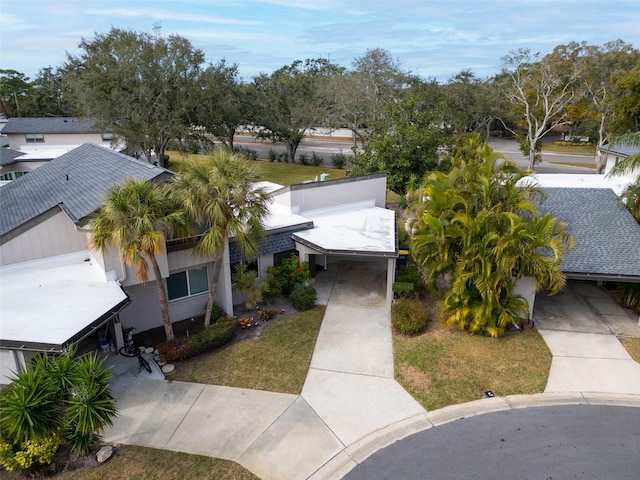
(213, 287)
(162, 296)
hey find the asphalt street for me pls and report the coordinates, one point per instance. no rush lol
(562, 442)
(551, 163)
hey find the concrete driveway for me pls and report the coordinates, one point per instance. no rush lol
(582, 326)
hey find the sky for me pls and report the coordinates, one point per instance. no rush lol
(434, 39)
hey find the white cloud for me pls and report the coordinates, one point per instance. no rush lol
(166, 15)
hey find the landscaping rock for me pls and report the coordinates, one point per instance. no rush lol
(104, 454)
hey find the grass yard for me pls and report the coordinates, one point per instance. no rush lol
(137, 463)
(633, 347)
(282, 173)
(276, 361)
(444, 367)
(575, 149)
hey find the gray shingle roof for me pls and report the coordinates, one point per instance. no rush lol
(625, 149)
(77, 181)
(50, 125)
(8, 156)
(607, 237)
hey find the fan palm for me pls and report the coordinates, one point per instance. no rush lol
(137, 217)
(221, 194)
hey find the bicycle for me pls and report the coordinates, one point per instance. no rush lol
(130, 350)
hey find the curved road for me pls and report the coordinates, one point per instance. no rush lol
(562, 442)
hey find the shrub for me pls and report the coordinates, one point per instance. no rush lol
(284, 157)
(31, 453)
(339, 160)
(214, 336)
(290, 273)
(193, 147)
(408, 316)
(270, 289)
(245, 152)
(316, 160)
(409, 274)
(216, 312)
(303, 298)
(174, 350)
(402, 289)
(629, 295)
(303, 158)
(272, 155)
(266, 314)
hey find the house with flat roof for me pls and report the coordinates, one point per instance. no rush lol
(56, 290)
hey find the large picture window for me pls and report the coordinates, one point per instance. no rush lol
(187, 283)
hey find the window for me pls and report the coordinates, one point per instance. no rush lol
(34, 137)
(187, 283)
(7, 177)
(107, 137)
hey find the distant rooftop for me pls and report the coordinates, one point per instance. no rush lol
(50, 125)
(623, 148)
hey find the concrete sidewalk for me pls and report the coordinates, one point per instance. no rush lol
(350, 405)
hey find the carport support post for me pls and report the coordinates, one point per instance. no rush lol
(391, 274)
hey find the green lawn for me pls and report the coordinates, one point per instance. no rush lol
(277, 361)
(575, 149)
(281, 173)
(444, 367)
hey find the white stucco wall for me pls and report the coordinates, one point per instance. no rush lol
(526, 287)
(56, 235)
(328, 194)
(13, 361)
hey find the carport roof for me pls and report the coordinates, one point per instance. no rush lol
(607, 237)
(356, 230)
(48, 303)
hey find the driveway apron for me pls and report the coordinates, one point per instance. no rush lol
(581, 327)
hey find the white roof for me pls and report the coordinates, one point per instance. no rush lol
(359, 228)
(572, 180)
(280, 216)
(51, 300)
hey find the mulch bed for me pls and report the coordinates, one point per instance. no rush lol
(188, 327)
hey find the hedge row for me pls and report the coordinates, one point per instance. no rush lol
(215, 335)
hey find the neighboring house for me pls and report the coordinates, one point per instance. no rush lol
(55, 290)
(614, 153)
(21, 131)
(40, 140)
(606, 234)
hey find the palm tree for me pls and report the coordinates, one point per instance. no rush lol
(221, 194)
(481, 227)
(630, 198)
(137, 217)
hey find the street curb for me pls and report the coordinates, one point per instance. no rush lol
(359, 451)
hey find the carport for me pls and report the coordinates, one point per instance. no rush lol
(50, 303)
(362, 232)
(607, 249)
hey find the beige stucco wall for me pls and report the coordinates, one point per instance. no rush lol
(56, 235)
(22, 167)
(17, 140)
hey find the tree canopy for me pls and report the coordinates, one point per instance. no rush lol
(139, 85)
